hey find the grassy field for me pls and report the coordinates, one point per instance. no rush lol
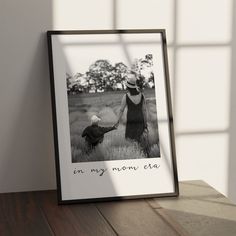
(114, 146)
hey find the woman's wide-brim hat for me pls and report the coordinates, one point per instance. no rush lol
(131, 82)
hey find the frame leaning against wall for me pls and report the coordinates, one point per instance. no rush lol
(71, 187)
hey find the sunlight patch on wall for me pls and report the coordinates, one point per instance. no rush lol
(147, 14)
(204, 156)
(203, 89)
(82, 15)
(204, 21)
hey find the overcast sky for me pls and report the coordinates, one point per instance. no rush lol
(82, 50)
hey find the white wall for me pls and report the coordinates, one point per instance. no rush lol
(202, 41)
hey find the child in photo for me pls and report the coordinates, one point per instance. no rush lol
(94, 134)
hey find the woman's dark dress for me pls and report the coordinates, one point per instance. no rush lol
(135, 119)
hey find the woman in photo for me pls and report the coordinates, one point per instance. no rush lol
(136, 124)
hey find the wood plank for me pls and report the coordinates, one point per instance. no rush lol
(200, 209)
(167, 217)
(203, 225)
(188, 190)
(135, 217)
(199, 199)
(20, 215)
(76, 219)
(196, 189)
(171, 221)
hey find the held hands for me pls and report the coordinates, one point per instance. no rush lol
(116, 124)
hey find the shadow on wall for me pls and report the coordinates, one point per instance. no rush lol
(26, 153)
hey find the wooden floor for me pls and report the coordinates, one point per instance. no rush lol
(200, 210)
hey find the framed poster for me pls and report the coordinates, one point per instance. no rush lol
(112, 116)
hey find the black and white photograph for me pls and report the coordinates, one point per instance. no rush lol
(112, 117)
(112, 111)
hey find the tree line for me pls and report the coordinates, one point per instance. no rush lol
(102, 76)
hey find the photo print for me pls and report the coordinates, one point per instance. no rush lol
(112, 111)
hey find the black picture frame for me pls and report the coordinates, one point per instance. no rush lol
(56, 115)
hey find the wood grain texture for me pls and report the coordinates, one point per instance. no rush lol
(77, 219)
(21, 215)
(200, 210)
(172, 222)
(202, 225)
(135, 217)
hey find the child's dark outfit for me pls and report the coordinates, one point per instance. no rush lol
(94, 134)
